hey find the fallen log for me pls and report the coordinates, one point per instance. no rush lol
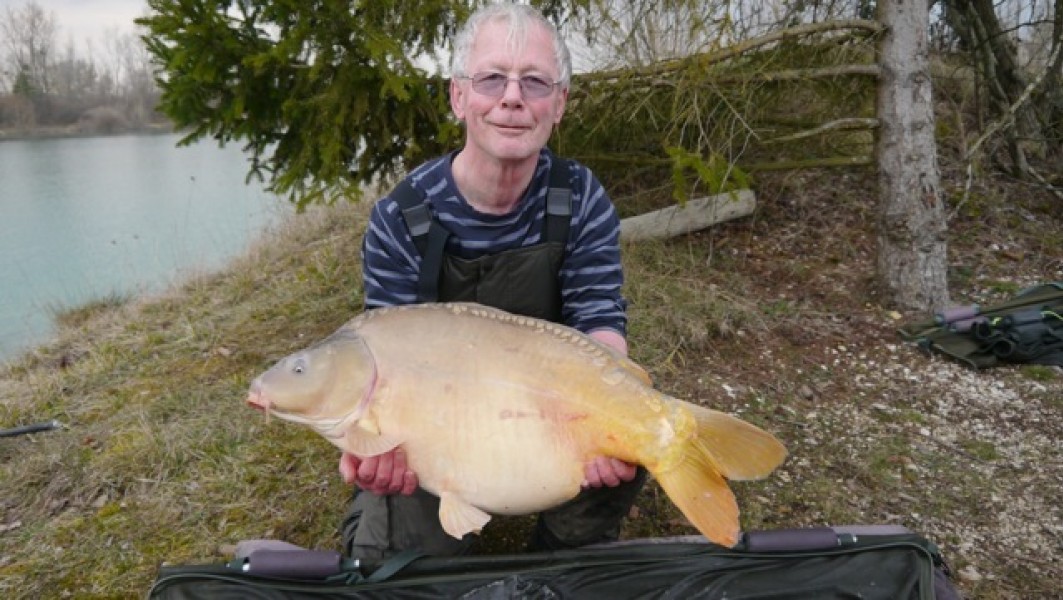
(695, 214)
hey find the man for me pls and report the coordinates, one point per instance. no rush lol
(505, 223)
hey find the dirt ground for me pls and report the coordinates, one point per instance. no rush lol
(878, 431)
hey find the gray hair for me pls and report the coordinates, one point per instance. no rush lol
(519, 17)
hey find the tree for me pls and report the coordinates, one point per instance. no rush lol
(28, 36)
(912, 262)
(324, 93)
(328, 95)
(73, 76)
(1031, 104)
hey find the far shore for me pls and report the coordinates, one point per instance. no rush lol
(76, 131)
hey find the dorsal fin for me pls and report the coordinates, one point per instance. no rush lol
(566, 334)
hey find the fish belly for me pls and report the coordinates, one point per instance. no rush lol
(502, 455)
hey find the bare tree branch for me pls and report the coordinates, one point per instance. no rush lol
(1007, 120)
(835, 125)
(710, 58)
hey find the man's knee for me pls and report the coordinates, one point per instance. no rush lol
(364, 528)
(379, 526)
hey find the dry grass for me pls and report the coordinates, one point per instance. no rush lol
(774, 318)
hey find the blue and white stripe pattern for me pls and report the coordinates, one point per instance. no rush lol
(591, 274)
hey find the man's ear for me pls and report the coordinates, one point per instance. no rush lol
(457, 99)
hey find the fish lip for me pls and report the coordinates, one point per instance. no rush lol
(255, 398)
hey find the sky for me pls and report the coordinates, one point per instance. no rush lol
(87, 19)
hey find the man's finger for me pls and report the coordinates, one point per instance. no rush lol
(349, 467)
(398, 456)
(382, 479)
(591, 476)
(409, 483)
(624, 470)
(367, 472)
(397, 476)
(608, 474)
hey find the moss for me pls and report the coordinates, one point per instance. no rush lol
(980, 449)
(1040, 373)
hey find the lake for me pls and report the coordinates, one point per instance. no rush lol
(85, 218)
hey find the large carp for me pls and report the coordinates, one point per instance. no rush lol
(499, 413)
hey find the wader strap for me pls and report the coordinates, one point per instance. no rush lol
(432, 263)
(414, 211)
(430, 236)
(558, 202)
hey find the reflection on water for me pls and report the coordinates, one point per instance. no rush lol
(86, 218)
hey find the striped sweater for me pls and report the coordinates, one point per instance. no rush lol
(591, 274)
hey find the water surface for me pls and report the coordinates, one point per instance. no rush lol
(85, 218)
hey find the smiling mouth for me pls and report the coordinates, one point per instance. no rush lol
(505, 127)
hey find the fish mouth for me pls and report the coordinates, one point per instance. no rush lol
(256, 400)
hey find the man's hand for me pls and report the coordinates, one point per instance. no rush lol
(382, 475)
(605, 471)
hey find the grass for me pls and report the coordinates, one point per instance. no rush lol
(768, 318)
(1040, 373)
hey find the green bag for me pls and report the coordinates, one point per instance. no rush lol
(1028, 329)
(869, 562)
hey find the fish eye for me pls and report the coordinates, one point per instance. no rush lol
(299, 366)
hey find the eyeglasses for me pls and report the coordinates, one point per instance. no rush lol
(493, 84)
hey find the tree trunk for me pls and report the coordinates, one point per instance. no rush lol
(977, 25)
(1049, 96)
(912, 258)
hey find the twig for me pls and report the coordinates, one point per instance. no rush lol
(846, 123)
(803, 74)
(1006, 120)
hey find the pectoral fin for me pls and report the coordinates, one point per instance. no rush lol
(458, 517)
(360, 442)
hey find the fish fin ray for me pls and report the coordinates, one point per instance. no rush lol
(633, 368)
(362, 443)
(458, 517)
(629, 366)
(739, 450)
(702, 495)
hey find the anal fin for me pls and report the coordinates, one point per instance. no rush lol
(458, 517)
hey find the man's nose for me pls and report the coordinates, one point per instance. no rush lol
(512, 94)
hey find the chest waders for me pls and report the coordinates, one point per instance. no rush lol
(524, 281)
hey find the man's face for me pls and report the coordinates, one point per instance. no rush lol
(512, 127)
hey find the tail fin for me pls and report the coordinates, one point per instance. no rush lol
(723, 447)
(701, 493)
(739, 450)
